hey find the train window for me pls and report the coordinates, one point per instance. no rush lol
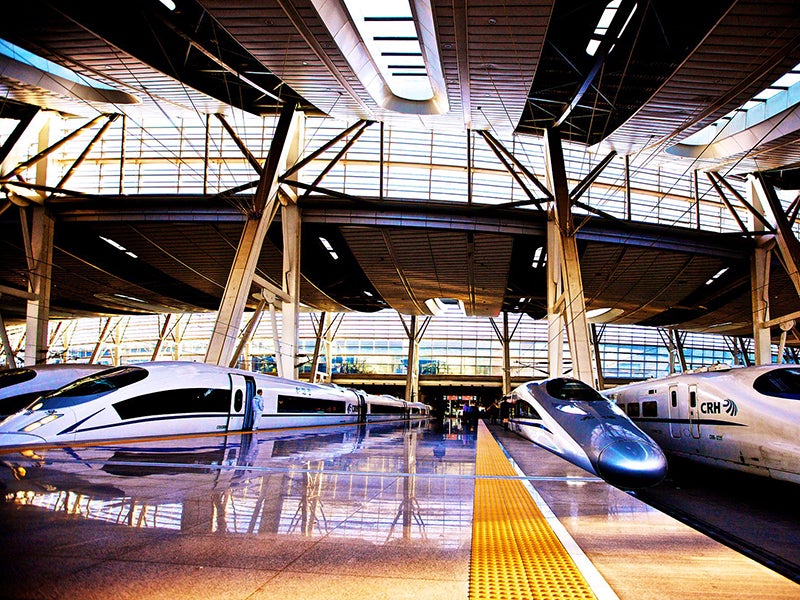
(692, 398)
(527, 411)
(673, 396)
(8, 406)
(632, 409)
(174, 402)
(238, 400)
(574, 390)
(304, 404)
(16, 376)
(93, 386)
(781, 383)
(650, 409)
(375, 408)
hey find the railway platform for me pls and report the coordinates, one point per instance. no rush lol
(420, 510)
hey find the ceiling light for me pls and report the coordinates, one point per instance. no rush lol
(129, 298)
(113, 243)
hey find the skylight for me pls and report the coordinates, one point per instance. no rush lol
(775, 98)
(11, 51)
(604, 23)
(388, 30)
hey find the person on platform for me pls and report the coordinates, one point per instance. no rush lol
(258, 408)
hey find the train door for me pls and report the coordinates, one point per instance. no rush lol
(362, 406)
(674, 412)
(241, 411)
(694, 423)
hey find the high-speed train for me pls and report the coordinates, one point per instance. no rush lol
(19, 387)
(167, 398)
(574, 421)
(742, 418)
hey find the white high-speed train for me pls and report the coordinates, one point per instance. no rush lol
(742, 418)
(175, 398)
(19, 387)
(573, 420)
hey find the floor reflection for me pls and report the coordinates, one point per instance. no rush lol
(381, 483)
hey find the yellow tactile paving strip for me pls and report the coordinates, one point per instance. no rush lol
(515, 553)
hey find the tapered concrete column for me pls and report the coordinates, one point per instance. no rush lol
(229, 316)
(317, 344)
(506, 356)
(568, 285)
(555, 328)
(38, 309)
(759, 285)
(290, 311)
(505, 341)
(11, 361)
(412, 371)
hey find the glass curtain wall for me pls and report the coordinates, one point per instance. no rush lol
(376, 344)
(195, 155)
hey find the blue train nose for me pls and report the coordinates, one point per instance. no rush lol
(631, 464)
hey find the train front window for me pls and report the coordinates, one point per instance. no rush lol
(16, 376)
(526, 411)
(93, 386)
(573, 390)
(781, 383)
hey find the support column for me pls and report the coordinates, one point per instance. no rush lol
(41, 268)
(412, 370)
(568, 282)
(317, 344)
(598, 363)
(555, 331)
(759, 285)
(11, 359)
(252, 325)
(161, 336)
(290, 311)
(505, 342)
(763, 199)
(234, 298)
(506, 356)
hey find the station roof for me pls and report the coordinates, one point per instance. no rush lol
(623, 76)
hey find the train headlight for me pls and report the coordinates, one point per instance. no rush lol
(43, 421)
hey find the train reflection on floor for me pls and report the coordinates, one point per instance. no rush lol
(377, 483)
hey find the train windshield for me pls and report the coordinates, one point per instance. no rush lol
(91, 387)
(573, 390)
(781, 383)
(16, 376)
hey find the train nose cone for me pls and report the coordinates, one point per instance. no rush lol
(631, 464)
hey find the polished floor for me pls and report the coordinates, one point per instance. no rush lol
(361, 511)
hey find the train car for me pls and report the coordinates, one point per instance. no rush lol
(384, 408)
(19, 387)
(574, 421)
(172, 398)
(419, 410)
(742, 418)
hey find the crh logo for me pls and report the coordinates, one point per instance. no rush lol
(730, 407)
